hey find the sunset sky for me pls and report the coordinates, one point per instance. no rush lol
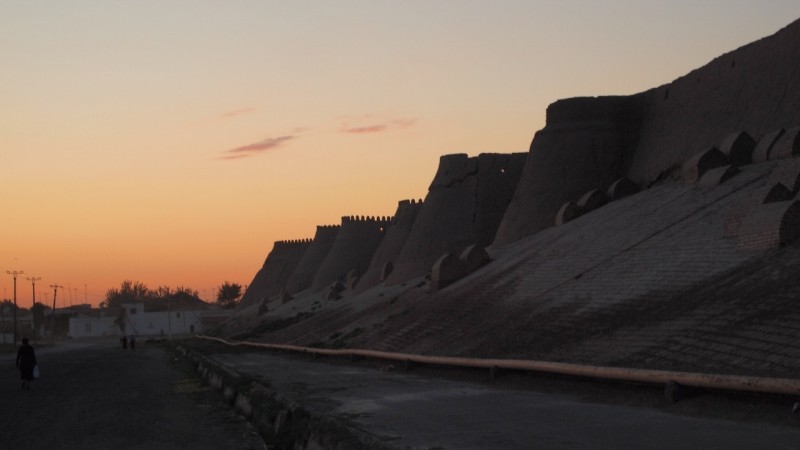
(173, 142)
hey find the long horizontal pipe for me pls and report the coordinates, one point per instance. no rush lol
(785, 386)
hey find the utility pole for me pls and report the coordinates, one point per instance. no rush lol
(53, 317)
(33, 281)
(14, 273)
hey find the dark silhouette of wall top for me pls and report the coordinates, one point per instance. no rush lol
(273, 275)
(464, 206)
(397, 233)
(303, 275)
(352, 249)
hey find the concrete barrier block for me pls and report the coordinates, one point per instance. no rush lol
(243, 405)
(764, 146)
(788, 174)
(386, 270)
(592, 200)
(621, 188)
(229, 394)
(445, 271)
(770, 226)
(787, 145)
(717, 176)
(698, 165)
(738, 147)
(568, 211)
(473, 258)
(215, 380)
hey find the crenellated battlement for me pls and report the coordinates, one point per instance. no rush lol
(409, 202)
(290, 242)
(366, 219)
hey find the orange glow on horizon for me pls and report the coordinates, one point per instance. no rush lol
(178, 156)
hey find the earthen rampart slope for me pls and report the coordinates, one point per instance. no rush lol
(694, 274)
(273, 275)
(464, 206)
(649, 281)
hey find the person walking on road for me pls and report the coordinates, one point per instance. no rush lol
(26, 361)
(124, 340)
(132, 340)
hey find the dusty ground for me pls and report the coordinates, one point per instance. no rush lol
(96, 396)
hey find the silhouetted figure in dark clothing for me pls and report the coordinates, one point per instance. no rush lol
(133, 342)
(26, 361)
(124, 341)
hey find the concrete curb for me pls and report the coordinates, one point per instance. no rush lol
(282, 422)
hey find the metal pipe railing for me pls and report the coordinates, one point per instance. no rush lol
(784, 386)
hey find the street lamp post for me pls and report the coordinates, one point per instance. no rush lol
(14, 273)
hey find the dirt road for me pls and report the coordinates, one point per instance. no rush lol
(97, 396)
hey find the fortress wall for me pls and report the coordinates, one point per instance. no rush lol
(464, 206)
(303, 275)
(498, 178)
(755, 89)
(273, 275)
(584, 146)
(648, 136)
(388, 251)
(352, 249)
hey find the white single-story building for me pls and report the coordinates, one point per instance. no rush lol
(135, 320)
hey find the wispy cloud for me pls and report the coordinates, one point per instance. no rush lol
(381, 126)
(254, 149)
(236, 112)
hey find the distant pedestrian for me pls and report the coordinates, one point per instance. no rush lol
(124, 340)
(133, 342)
(26, 361)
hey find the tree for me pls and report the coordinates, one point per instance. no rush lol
(160, 299)
(228, 295)
(128, 292)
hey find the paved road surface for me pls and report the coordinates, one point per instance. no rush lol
(95, 396)
(410, 410)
